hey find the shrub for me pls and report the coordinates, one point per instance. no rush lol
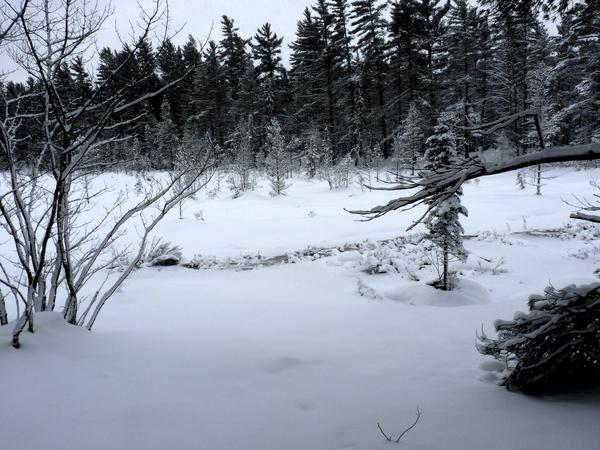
(554, 347)
(163, 253)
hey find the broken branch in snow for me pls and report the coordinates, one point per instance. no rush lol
(586, 217)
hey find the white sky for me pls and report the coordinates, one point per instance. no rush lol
(196, 18)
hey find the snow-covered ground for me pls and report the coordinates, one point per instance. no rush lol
(293, 356)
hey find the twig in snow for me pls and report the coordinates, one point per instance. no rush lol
(389, 439)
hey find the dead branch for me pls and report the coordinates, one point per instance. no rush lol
(435, 186)
(397, 441)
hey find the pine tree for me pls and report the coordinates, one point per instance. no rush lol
(587, 30)
(369, 27)
(313, 153)
(209, 94)
(235, 62)
(345, 81)
(305, 73)
(277, 160)
(407, 30)
(242, 163)
(481, 74)
(266, 51)
(567, 73)
(459, 41)
(147, 73)
(513, 29)
(190, 156)
(443, 223)
(432, 14)
(538, 85)
(170, 61)
(409, 141)
(82, 84)
(270, 76)
(328, 67)
(373, 157)
(166, 145)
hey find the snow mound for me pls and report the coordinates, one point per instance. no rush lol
(465, 293)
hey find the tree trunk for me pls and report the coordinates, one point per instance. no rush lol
(445, 286)
(3, 314)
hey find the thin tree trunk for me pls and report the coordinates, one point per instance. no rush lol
(3, 314)
(445, 274)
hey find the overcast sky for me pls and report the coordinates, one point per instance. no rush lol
(196, 17)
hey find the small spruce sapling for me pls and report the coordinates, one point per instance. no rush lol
(277, 160)
(443, 223)
(242, 164)
(410, 141)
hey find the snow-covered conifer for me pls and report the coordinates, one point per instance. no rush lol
(277, 160)
(139, 161)
(166, 139)
(242, 164)
(409, 142)
(373, 157)
(538, 83)
(443, 223)
(312, 154)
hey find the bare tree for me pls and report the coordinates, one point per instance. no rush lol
(10, 15)
(58, 249)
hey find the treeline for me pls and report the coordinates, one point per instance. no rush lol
(365, 76)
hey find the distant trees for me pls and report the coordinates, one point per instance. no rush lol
(356, 67)
(368, 26)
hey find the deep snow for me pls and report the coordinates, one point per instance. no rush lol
(292, 356)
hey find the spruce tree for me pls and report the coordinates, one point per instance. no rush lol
(169, 60)
(443, 223)
(163, 156)
(460, 42)
(235, 61)
(409, 141)
(369, 28)
(305, 73)
(407, 63)
(277, 160)
(432, 14)
(347, 88)
(209, 94)
(242, 159)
